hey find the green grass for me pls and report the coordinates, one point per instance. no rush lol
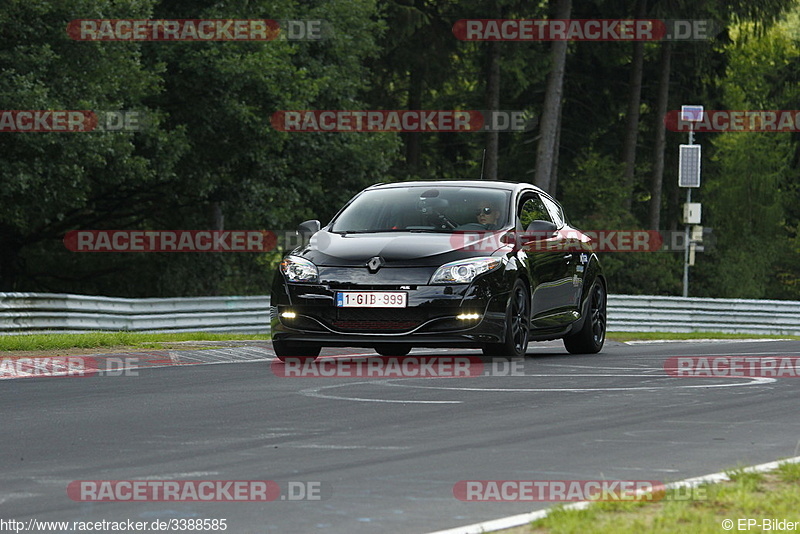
(646, 336)
(758, 496)
(54, 341)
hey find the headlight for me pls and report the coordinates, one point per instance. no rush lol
(464, 271)
(297, 269)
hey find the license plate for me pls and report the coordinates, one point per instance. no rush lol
(371, 299)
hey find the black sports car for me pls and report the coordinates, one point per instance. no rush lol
(478, 264)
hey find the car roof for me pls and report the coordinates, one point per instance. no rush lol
(487, 184)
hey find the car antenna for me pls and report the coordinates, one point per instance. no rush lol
(483, 162)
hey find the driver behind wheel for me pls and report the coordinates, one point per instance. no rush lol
(487, 214)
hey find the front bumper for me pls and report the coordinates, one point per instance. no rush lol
(430, 318)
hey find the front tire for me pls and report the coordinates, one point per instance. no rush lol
(518, 325)
(297, 351)
(592, 335)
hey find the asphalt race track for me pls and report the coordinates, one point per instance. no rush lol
(386, 453)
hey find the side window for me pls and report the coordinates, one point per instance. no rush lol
(556, 211)
(533, 210)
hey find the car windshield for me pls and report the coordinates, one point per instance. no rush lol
(425, 209)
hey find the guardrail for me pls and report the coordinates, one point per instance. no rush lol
(635, 313)
(32, 312)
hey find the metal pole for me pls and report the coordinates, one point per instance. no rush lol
(686, 235)
(686, 251)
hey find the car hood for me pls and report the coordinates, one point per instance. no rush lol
(398, 249)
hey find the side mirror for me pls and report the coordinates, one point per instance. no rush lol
(542, 227)
(539, 231)
(308, 228)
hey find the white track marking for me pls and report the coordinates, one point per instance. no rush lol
(754, 381)
(661, 356)
(5, 497)
(661, 341)
(315, 392)
(524, 519)
(348, 447)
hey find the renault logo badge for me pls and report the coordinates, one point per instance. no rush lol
(374, 264)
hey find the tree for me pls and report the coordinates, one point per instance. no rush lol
(551, 111)
(53, 182)
(751, 188)
(210, 149)
(634, 102)
(657, 176)
(492, 103)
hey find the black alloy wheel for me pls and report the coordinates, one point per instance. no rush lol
(518, 325)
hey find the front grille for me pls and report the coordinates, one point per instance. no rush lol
(379, 314)
(376, 319)
(375, 326)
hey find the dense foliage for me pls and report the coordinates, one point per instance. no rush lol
(210, 159)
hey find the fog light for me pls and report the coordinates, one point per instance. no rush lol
(288, 315)
(468, 316)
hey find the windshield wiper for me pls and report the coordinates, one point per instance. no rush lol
(348, 232)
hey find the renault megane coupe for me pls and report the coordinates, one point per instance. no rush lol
(476, 264)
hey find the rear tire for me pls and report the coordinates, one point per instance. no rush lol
(296, 351)
(391, 349)
(518, 325)
(592, 335)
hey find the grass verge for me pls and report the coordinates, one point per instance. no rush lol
(759, 497)
(54, 341)
(648, 336)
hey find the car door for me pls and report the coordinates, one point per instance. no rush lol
(549, 262)
(575, 254)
